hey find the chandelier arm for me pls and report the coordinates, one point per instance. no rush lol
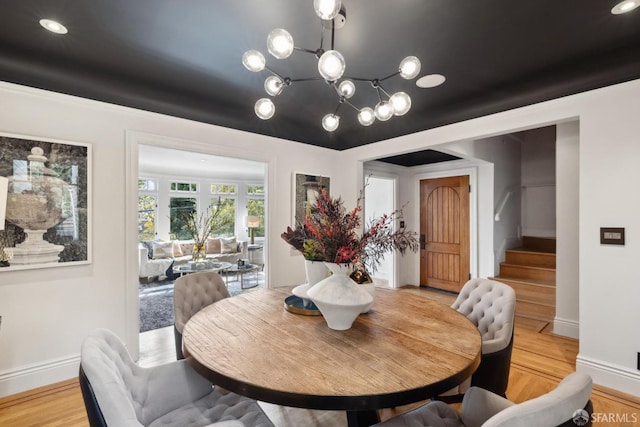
(384, 91)
(333, 33)
(322, 34)
(275, 73)
(358, 79)
(346, 101)
(302, 49)
(307, 79)
(389, 76)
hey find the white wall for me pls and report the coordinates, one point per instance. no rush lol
(538, 182)
(608, 174)
(566, 321)
(47, 312)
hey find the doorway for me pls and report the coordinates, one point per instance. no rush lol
(444, 233)
(380, 199)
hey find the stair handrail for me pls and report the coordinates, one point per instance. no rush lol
(502, 204)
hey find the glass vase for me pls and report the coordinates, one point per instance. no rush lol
(198, 254)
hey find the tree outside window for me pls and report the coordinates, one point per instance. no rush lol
(146, 217)
(227, 205)
(255, 207)
(177, 228)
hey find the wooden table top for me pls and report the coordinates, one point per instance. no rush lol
(406, 349)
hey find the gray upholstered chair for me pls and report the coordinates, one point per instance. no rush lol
(119, 393)
(191, 293)
(491, 306)
(559, 407)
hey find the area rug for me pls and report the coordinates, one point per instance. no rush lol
(156, 300)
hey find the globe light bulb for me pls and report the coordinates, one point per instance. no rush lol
(331, 65)
(327, 9)
(383, 111)
(264, 108)
(366, 116)
(273, 85)
(253, 61)
(347, 88)
(401, 103)
(280, 43)
(330, 122)
(409, 67)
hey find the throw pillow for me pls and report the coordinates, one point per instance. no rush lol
(213, 245)
(149, 245)
(228, 245)
(177, 250)
(162, 250)
(186, 246)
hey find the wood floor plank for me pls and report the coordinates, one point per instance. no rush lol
(540, 360)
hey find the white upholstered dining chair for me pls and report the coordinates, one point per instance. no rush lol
(119, 393)
(191, 293)
(568, 405)
(491, 306)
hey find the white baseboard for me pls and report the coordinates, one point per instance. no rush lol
(38, 375)
(566, 328)
(605, 374)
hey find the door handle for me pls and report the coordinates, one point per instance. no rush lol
(423, 242)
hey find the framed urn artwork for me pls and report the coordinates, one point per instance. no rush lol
(306, 188)
(48, 203)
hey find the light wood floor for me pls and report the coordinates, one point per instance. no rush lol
(540, 360)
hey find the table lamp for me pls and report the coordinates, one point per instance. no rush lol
(4, 188)
(253, 222)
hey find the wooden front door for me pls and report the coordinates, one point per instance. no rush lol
(444, 232)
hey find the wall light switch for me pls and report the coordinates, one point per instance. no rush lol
(611, 236)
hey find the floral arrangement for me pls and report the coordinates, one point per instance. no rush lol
(330, 233)
(200, 226)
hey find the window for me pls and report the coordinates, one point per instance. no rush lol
(225, 193)
(176, 224)
(227, 215)
(146, 217)
(147, 208)
(255, 206)
(145, 184)
(183, 187)
(223, 189)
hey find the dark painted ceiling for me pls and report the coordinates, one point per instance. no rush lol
(183, 58)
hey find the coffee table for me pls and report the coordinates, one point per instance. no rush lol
(241, 271)
(197, 267)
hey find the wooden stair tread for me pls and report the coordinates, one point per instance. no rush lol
(530, 282)
(531, 251)
(532, 267)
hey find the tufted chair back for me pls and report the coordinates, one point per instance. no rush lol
(122, 388)
(191, 293)
(119, 393)
(490, 305)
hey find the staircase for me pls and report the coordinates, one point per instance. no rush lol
(531, 272)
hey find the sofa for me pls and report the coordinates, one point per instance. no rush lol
(156, 256)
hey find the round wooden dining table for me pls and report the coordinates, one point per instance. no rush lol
(407, 348)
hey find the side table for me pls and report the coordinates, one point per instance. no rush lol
(256, 255)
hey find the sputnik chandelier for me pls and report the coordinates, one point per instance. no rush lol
(331, 66)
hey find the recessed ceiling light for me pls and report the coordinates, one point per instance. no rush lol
(431, 80)
(53, 26)
(625, 6)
